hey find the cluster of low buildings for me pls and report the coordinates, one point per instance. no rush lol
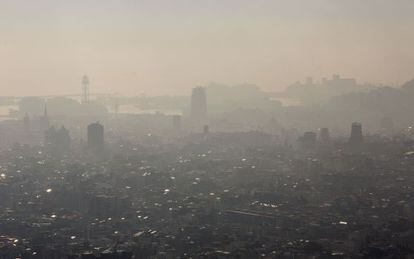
(151, 186)
(209, 195)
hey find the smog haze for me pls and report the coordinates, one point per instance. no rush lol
(167, 47)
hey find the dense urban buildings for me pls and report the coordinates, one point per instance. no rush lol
(115, 143)
(164, 190)
(215, 195)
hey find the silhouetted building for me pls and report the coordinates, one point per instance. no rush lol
(85, 89)
(57, 141)
(44, 120)
(324, 135)
(176, 121)
(198, 105)
(356, 137)
(338, 82)
(308, 140)
(96, 137)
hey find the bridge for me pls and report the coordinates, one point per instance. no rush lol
(4, 100)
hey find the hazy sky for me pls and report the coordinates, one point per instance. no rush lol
(154, 46)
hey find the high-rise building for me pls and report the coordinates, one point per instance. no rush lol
(356, 137)
(57, 141)
(96, 137)
(85, 89)
(44, 120)
(324, 135)
(198, 105)
(308, 140)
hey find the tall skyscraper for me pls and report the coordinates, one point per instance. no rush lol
(324, 135)
(96, 137)
(308, 140)
(57, 141)
(198, 105)
(356, 137)
(44, 121)
(85, 89)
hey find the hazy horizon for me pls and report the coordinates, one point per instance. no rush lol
(167, 47)
(197, 132)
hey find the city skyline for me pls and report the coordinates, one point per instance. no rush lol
(134, 129)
